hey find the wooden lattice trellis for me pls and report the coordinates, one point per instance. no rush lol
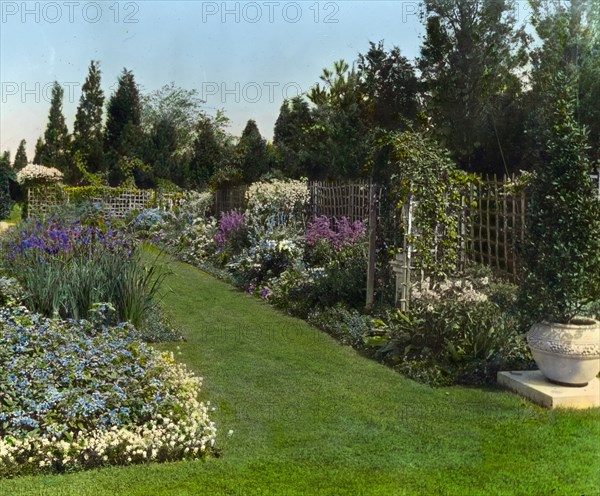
(495, 218)
(41, 201)
(337, 199)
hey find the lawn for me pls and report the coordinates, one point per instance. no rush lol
(310, 417)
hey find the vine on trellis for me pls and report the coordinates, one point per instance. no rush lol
(426, 182)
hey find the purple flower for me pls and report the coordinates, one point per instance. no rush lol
(264, 293)
(229, 223)
(342, 233)
(60, 238)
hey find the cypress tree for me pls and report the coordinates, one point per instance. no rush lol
(20, 157)
(87, 131)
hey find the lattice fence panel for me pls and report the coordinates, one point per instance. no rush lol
(41, 201)
(336, 199)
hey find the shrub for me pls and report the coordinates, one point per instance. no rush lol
(463, 329)
(563, 218)
(285, 200)
(345, 278)
(348, 326)
(295, 290)
(265, 260)
(77, 395)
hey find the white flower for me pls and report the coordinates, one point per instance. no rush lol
(32, 173)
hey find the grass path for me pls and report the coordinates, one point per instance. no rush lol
(311, 417)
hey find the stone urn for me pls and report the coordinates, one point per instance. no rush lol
(567, 354)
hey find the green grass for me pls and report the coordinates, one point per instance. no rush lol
(311, 417)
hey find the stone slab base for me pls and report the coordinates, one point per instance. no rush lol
(535, 387)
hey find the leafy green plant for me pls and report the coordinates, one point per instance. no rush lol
(463, 329)
(11, 291)
(344, 278)
(347, 325)
(562, 253)
(295, 291)
(137, 288)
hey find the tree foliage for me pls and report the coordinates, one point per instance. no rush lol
(212, 150)
(470, 61)
(563, 216)
(123, 136)
(337, 138)
(87, 130)
(39, 151)
(20, 157)
(251, 153)
(123, 112)
(290, 137)
(570, 43)
(56, 137)
(6, 173)
(390, 88)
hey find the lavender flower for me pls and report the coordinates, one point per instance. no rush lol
(341, 234)
(229, 224)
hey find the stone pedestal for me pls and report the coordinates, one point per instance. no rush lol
(535, 387)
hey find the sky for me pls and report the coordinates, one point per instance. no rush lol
(242, 57)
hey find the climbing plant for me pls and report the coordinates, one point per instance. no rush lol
(423, 176)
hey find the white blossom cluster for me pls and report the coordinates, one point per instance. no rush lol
(462, 289)
(186, 432)
(278, 195)
(198, 239)
(38, 174)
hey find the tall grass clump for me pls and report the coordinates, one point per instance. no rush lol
(66, 267)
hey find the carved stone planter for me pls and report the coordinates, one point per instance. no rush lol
(568, 354)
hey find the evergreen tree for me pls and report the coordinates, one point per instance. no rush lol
(6, 173)
(570, 35)
(56, 137)
(123, 136)
(337, 141)
(561, 252)
(20, 157)
(87, 131)
(469, 64)
(39, 151)
(123, 111)
(289, 137)
(163, 146)
(207, 154)
(252, 153)
(390, 86)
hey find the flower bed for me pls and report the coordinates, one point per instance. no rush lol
(77, 394)
(460, 329)
(67, 266)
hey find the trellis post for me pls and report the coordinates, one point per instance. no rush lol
(372, 247)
